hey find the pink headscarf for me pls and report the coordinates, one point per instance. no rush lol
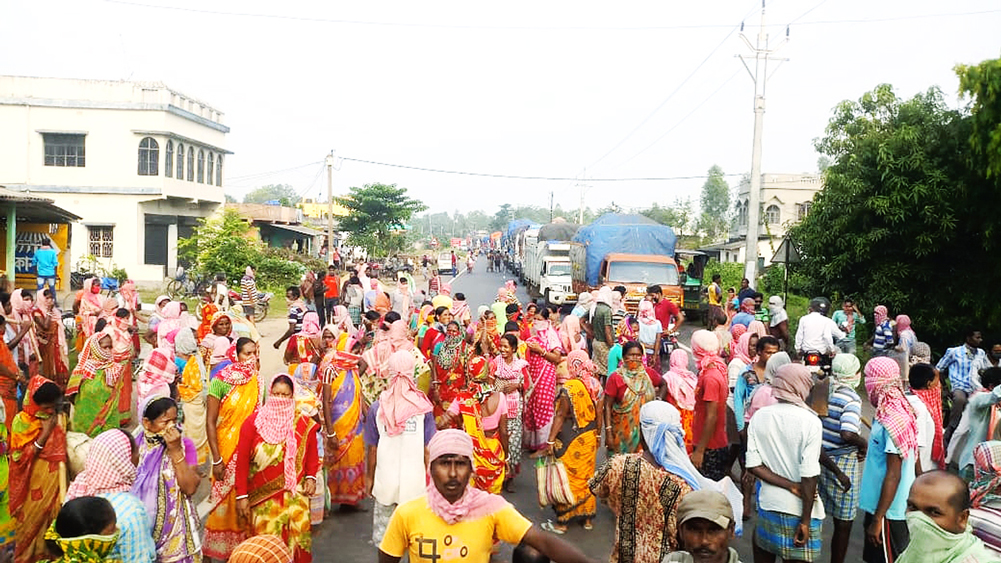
(474, 503)
(893, 411)
(171, 321)
(792, 383)
(681, 381)
(747, 305)
(646, 314)
(879, 314)
(108, 467)
(569, 330)
(402, 399)
(275, 424)
(342, 319)
(399, 336)
(580, 366)
(740, 351)
(737, 330)
(310, 325)
(705, 347)
(757, 327)
(903, 323)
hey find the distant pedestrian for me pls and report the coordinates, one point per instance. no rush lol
(847, 319)
(711, 444)
(332, 291)
(882, 336)
(715, 296)
(778, 325)
(746, 291)
(963, 363)
(248, 293)
(46, 262)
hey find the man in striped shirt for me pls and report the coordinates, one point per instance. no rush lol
(248, 293)
(844, 445)
(964, 363)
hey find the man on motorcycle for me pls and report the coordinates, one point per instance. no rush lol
(817, 332)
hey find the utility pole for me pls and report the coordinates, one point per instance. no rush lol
(330, 207)
(762, 54)
(550, 206)
(580, 210)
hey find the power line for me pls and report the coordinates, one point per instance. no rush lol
(679, 122)
(518, 177)
(257, 175)
(669, 96)
(308, 19)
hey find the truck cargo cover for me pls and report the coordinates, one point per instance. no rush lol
(625, 233)
(558, 232)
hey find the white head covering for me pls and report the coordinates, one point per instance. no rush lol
(604, 296)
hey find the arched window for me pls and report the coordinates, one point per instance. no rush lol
(773, 215)
(149, 157)
(201, 166)
(168, 167)
(218, 172)
(191, 164)
(180, 161)
(208, 173)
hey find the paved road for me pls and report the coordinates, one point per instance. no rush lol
(347, 535)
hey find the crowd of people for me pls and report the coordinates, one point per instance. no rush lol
(434, 410)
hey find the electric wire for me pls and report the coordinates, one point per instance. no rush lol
(519, 177)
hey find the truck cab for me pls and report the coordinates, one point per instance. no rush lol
(637, 271)
(555, 283)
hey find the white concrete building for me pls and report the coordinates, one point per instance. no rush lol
(785, 200)
(139, 162)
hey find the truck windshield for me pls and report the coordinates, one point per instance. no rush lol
(559, 269)
(648, 273)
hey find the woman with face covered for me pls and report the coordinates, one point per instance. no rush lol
(625, 392)
(276, 470)
(232, 398)
(166, 480)
(86, 529)
(51, 338)
(110, 472)
(96, 386)
(37, 446)
(545, 352)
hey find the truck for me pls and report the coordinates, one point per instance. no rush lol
(547, 263)
(629, 250)
(511, 242)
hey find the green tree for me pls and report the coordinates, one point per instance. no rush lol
(907, 216)
(282, 193)
(501, 218)
(376, 216)
(678, 215)
(715, 205)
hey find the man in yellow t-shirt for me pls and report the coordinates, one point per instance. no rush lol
(455, 522)
(716, 298)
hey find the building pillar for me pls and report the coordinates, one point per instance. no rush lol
(171, 249)
(11, 242)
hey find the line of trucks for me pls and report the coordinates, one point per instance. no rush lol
(560, 260)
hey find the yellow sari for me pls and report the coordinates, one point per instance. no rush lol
(189, 390)
(346, 471)
(237, 403)
(577, 447)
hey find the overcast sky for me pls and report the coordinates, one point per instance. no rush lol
(521, 88)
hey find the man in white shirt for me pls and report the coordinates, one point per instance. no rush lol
(783, 450)
(816, 331)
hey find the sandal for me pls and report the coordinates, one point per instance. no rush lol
(588, 526)
(549, 527)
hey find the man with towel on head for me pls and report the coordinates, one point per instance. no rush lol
(454, 521)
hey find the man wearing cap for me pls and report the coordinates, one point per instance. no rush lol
(705, 528)
(453, 521)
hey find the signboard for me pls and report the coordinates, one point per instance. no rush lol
(786, 253)
(455, 242)
(27, 243)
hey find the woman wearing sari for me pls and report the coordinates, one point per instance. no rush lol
(304, 347)
(232, 397)
(574, 439)
(166, 480)
(276, 470)
(190, 388)
(124, 349)
(344, 446)
(374, 365)
(91, 309)
(625, 392)
(159, 369)
(570, 334)
(486, 339)
(214, 345)
(207, 311)
(37, 447)
(96, 386)
(481, 411)
(130, 302)
(681, 384)
(7, 523)
(21, 305)
(51, 339)
(510, 372)
(544, 353)
(449, 368)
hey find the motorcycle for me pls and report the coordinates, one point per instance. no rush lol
(820, 365)
(260, 308)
